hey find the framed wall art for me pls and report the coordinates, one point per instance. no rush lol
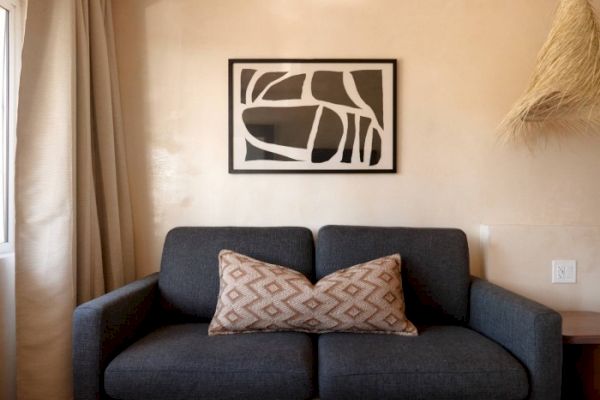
(312, 115)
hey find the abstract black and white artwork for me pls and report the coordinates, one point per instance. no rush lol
(312, 115)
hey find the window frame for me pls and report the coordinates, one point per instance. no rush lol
(15, 39)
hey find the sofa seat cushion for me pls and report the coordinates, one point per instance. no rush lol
(443, 362)
(183, 362)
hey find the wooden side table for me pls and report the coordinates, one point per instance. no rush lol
(581, 355)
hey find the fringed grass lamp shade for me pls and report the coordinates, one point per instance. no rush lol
(563, 96)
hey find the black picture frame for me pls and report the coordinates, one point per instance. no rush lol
(285, 115)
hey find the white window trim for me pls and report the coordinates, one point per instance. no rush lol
(15, 32)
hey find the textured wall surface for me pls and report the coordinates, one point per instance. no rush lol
(462, 63)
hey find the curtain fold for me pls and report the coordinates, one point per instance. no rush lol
(74, 234)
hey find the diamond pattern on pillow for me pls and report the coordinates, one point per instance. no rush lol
(258, 296)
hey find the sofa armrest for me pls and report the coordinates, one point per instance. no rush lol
(104, 326)
(529, 330)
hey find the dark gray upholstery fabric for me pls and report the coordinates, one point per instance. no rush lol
(513, 349)
(104, 326)
(443, 362)
(435, 265)
(530, 331)
(180, 362)
(189, 275)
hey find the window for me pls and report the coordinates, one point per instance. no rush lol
(8, 88)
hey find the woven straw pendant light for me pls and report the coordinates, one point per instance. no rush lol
(563, 96)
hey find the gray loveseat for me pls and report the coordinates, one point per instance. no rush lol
(148, 340)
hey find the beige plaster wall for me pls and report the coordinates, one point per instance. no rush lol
(461, 65)
(520, 258)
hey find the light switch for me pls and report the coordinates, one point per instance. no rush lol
(564, 271)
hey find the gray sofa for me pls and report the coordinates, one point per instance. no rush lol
(148, 340)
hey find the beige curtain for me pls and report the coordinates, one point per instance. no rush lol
(73, 214)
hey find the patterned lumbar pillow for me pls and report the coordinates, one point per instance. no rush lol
(257, 296)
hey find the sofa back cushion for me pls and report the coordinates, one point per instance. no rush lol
(189, 274)
(435, 265)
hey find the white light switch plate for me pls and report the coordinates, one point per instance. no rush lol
(564, 271)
